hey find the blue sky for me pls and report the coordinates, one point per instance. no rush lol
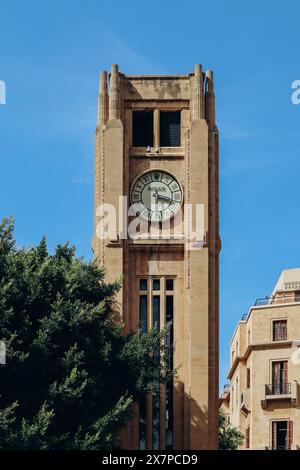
(51, 56)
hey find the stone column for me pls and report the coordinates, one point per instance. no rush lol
(197, 295)
(103, 100)
(210, 114)
(114, 93)
(214, 247)
(198, 95)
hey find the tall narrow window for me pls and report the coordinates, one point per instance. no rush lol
(156, 312)
(143, 284)
(143, 313)
(143, 422)
(142, 128)
(279, 330)
(169, 386)
(170, 128)
(156, 384)
(169, 284)
(280, 384)
(156, 308)
(248, 377)
(143, 398)
(282, 435)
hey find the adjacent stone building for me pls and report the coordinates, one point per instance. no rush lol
(156, 144)
(264, 395)
(224, 402)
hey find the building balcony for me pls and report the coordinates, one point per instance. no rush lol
(246, 401)
(280, 391)
(284, 298)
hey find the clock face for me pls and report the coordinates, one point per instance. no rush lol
(156, 195)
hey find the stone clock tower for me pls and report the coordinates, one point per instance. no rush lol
(156, 151)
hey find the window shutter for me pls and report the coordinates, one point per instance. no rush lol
(247, 444)
(274, 433)
(248, 377)
(275, 377)
(289, 434)
(283, 335)
(286, 372)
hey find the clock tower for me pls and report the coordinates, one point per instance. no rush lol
(157, 227)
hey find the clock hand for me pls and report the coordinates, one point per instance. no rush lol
(155, 194)
(166, 198)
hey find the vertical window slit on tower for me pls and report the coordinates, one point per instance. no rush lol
(143, 313)
(143, 422)
(142, 128)
(169, 386)
(161, 292)
(143, 398)
(143, 284)
(156, 384)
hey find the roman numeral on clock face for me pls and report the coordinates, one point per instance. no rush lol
(136, 196)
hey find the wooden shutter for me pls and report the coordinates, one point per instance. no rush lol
(247, 443)
(276, 377)
(275, 324)
(285, 376)
(274, 435)
(248, 377)
(284, 330)
(289, 434)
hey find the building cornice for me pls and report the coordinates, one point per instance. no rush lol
(257, 347)
(262, 307)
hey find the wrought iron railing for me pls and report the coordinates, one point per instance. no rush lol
(281, 388)
(277, 300)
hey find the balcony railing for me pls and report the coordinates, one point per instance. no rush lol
(277, 300)
(278, 389)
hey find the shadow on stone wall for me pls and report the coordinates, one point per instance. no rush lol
(190, 425)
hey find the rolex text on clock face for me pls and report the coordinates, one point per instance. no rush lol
(156, 195)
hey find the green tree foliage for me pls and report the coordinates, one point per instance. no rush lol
(230, 438)
(71, 376)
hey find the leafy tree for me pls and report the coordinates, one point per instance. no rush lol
(71, 376)
(230, 438)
